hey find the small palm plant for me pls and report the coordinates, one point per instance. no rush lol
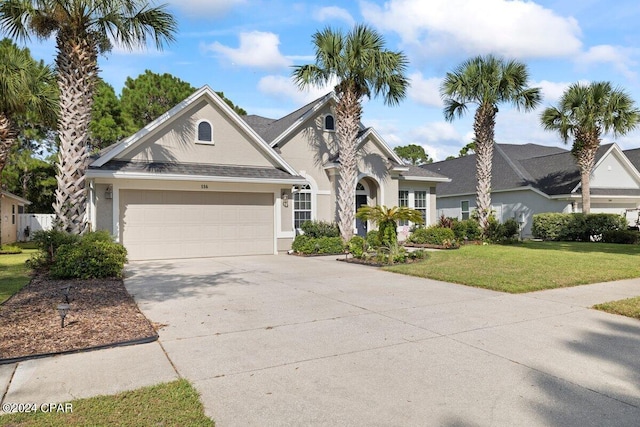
(387, 220)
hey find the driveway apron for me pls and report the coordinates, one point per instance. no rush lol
(285, 340)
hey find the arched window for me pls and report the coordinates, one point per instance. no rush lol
(301, 205)
(205, 132)
(329, 123)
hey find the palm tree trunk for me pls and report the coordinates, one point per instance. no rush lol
(8, 136)
(77, 73)
(483, 126)
(586, 160)
(585, 148)
(348, 112)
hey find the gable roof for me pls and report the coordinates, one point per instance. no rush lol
(551, 170)
(13, 196)
(276, 131)
(205, 92)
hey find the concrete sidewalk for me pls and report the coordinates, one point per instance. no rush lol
(310, 341)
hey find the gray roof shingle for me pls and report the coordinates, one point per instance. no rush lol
(270, 129)
(198, 169)
(551, 170)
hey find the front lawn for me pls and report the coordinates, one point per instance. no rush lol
(172, 404)
(529, 266)
(629, 307)
(14, 274)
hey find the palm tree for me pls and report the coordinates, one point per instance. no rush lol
(387, 220)
(585, 113)
(27, 93)
(362, 67)
(83, 29)
(486, 81)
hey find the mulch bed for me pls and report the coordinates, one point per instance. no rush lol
(102, 314)
(374, 263)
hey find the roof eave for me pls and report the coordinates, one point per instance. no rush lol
(93, 173)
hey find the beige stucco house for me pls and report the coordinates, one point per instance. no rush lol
(10, 206)
(201, 181)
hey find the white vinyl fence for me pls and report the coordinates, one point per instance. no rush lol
(30, 223)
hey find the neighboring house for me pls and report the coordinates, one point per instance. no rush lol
(10, 206)
(201, 181)
(530, 179)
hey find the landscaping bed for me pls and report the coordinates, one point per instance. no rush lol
(102, 314)
(372, 262)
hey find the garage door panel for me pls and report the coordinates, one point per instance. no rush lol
(173, 224)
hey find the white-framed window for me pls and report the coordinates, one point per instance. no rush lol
(13, 214)
(464, 209)
(205, 133)
(420, 203)
(329, 123)
(403, 200)
(301, 205)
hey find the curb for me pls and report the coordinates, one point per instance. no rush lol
(145, 340)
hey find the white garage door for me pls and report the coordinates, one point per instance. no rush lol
(188, 224)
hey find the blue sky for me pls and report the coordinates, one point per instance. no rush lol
(246, 48)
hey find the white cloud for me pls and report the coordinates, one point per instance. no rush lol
(551, 91)
(333, 13)
(425, 91)
(257, 49)
(281, 87)
(618, 56)
(439, 139)
(520, 29)
(205, 9)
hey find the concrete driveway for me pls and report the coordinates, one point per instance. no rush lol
(283, 340)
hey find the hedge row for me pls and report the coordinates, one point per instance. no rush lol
(576, 226)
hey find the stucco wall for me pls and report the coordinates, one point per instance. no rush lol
(175, 142)
(9, 212)
(104, 209)
(611, 173)
(511, 204)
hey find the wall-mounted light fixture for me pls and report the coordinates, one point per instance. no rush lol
(108, 193)
(285, 199)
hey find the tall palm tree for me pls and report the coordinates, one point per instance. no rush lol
(486, 81)
(83, 29)
(362, 67)
(585, 113)
(27, 92)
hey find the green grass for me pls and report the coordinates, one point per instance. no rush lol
(14, 274)
(172, 404)
(529, 266)
(629, 307)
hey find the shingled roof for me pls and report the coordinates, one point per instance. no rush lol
(552, 170)
(197, 169)
(270, 129)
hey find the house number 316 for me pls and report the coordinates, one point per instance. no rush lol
(204, 186)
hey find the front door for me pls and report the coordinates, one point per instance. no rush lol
(361, 226)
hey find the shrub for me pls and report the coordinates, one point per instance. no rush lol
(48, 243)
(628, 237)
(447, 222)
(575, 226)
(373, 239)
(10, 250)
(317, 245)
(92, 257)
(433, 235)
(506, 232)
(387, 234)
(419, 254)
(357, 246)
(320, 229)
(467, 229)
